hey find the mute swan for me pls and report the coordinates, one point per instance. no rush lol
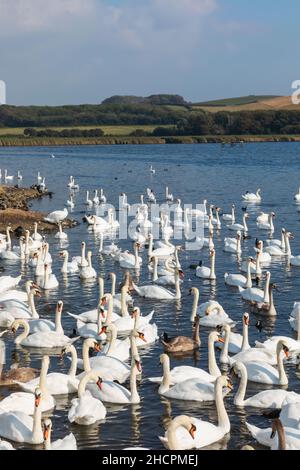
(57, 383)
(102, 197)
(230, 217)
(61, 235)
(88, 201)
(81, 260)
(252, 197)
(263, 355)
(170, 197)
(266, 308)
(57, 216)
(36, 236)
(267, 225)
(49, 339)
(255, 267)
(165, 280)
(112, 392)
(107, 367)
(68, 268)
(214, 315)
(109, 250)
(233, 246)
(49, 281)
(86, 410)
(240, 227)
(265, 257)
(88, 272)
(120, 349)
(238, 280)
(4, 445)
(91, 330)
(149, 330)
(280, 243)
(130, 261)
(181, 373)
(162, 252)
(70, 202)
(24, 401)
(8, 177)
(265, 399)
(253, 294)
(264, 373)
(203, 433)
(159, 292)
(188, 389)
(19, 427)
(181, 344)
(11, 308)
(276, 437)
(96, 200)
(208, 273)
(67, 443)
(19, 176)
(234, 343)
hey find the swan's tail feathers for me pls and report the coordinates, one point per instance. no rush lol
(164, 441)
(226, 276)
(156, 380)
(72, 340)
(259, 345)
(75, 316)
(150, 316)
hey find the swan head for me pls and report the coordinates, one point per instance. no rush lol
(224, 381)
(282, 346)
(37, 397)
(59, 306)
(193, 290)
(246, 319)
(135, 312)
(212, 252)
(63, 254)
(136, 364)
(185, 422)
(164, 358)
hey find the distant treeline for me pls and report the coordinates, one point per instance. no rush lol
(156, 110)
(30, 132)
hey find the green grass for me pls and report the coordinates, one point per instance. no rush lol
(108, 130)
(239, 101)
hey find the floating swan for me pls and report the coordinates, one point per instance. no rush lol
(238, 280)
(181, 344)
(208, 273)
(68, 268)
(57, 216)
(202, 433)
(159, 292)
(86, 410)
(252, 197)
(88, 272)
(61, 235)
(233, 245)
(266, 399)
(240, 227)
(230, 217)
(49, 281)
(67, 443)
(285, 439)
(130, 261)
(267, 225)
(253, 294)
(234, 343)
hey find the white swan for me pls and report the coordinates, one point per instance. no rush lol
(253, 294)
(261, 372)
(19, 427)
(240, 227)
(285, 439)
(193, 389)
(149, 330)
(86, 410)
(170, 197)
(68, 267)
(238, 280)
(61, 235)
(130, 261)
(57, 383)
(252, 197)
(81, 260)
(57, 216)
(112, 392)
(233, 342)
(88, 272)
(49, 339)
(202, 433)
(36, 236)
(66, 443)
(233, 245)
(271, 343)
(49, 281)
(159, 292)
(266, 399)
(8, 282)
(107, 367)
(267, 225)
(88, 201)
(230, 217)
(208, 273)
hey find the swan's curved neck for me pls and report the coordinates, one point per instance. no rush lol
(37, 425)
(133, 346)
(82, 254)
(212, 265)
(101, 288)
(58, 326)
(245, 343)
(43, 375)
(224, 353)
(134, 398)
(298, 332)
(233, 214)
(25, 333)
(177, 285)
(73, 367)
(84, 381)
(66, 260)
(287, 245)
(223, 420)
(241, 392)
(281, 434)
(249, 280)
(245, 224)
(266, 291)
(113, 337)
(155, 275)
(195, 304)
(283, 380)
(32, 305)
(212, 364)
(136, 257)
(124, 310)
(150, 247)
(85, 356)
(166, 381)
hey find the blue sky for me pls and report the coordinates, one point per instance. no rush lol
(82, 51)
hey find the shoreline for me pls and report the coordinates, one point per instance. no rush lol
(16, 141)
(15, 210)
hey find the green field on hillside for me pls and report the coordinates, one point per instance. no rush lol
(239, 101)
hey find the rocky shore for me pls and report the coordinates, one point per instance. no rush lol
(15, 209)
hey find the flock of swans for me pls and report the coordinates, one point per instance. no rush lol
(115, 331)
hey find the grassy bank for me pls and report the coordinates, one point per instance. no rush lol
(21, 141)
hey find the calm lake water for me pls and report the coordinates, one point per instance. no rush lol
(193, 173)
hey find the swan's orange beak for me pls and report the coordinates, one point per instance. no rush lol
(246, 321)
(192, 431)
(103, 330)
(102, 312)
(138, 365)
(286, 352)
(46, 433)
(97, 347)
(103, 301)
(99, 383)
(142, 337)
(37, 400)
(181, 274)
(38, 293)
(221, 340)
